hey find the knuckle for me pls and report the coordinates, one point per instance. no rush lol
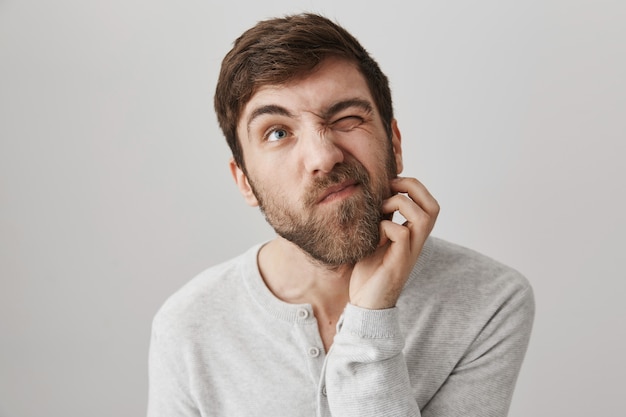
(404, 233)
(436, 207)
(423, 220)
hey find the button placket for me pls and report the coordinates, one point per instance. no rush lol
(306, 328)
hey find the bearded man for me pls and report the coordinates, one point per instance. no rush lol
(345, 312)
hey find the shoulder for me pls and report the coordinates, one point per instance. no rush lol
(466, 279)
(459, 265)
(209, 294)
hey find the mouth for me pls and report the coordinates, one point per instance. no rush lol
(338, 191)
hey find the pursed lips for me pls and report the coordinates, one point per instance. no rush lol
(335, 190)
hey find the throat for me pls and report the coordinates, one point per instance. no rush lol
(327, 327)
(291, 276)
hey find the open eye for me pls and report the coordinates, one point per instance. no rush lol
(276, 134)
(347, 123)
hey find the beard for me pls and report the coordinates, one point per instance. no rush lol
(342, 233)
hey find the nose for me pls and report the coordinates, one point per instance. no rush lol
(321, 153)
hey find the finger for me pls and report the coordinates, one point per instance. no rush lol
(417, 226)
(403, 204)
(415, 215)
(417, 192)
(402, 249)
(394, 232)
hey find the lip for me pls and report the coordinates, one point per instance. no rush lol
(337, 191)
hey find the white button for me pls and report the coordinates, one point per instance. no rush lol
(303, 313)
(314, 352)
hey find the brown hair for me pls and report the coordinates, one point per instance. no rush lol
(278, 50)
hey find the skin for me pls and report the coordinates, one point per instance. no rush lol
(284, 151)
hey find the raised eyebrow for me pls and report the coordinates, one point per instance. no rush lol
(346, 104)
(267, 109)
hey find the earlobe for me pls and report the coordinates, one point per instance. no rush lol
(243, 184)
(396, 142)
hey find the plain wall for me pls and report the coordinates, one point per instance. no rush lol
(115, 189)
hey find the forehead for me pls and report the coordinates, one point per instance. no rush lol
(335, 79)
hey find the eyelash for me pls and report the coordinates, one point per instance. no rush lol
(267, 135)
(273, 129)
(357, 120)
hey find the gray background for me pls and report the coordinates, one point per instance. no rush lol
(114, 187)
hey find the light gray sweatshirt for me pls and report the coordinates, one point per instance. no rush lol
(224, 345)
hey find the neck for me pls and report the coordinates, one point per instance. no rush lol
(294, 277)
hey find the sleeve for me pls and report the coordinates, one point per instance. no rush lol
(366, 374)
(483, 381)
(168, 390)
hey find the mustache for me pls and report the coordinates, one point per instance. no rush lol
(350, 171)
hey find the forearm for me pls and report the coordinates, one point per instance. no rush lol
(366, 374)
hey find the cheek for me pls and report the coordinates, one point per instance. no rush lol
(379, 162)
(276, 191)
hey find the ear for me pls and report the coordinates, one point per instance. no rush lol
(396, 142)
(242, 183)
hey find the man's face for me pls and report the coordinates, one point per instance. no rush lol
(318, 162)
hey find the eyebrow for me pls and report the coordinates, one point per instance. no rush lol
(335, 108)
(267, 109)
(346, 104)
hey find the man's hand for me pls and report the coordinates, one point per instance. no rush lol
(377, 280)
